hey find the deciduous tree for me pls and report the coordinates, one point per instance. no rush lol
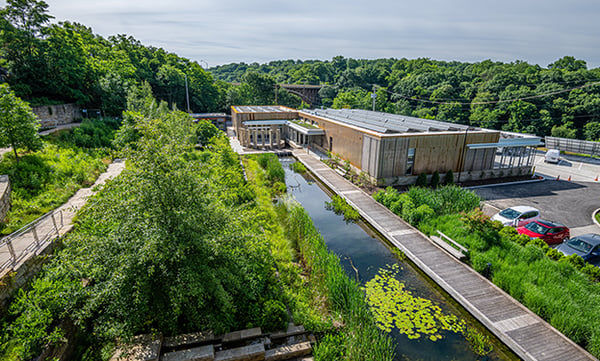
(18, 124)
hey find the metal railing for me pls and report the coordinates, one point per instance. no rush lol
(29, 239)
(573, 145)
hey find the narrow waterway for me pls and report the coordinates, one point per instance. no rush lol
(363, 254)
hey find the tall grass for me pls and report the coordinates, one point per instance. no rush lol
(555, 290)
(43, 180)
(362, 339)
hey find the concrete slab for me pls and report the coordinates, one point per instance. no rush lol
(203, 353)
(254, 352)
(288, 352)
(188, 339)
(143, 348)
(242, 335)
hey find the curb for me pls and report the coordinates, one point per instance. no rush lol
(594, 217)
(508, 183)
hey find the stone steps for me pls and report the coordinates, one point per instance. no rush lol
(243, 345)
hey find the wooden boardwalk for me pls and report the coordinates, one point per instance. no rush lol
(530, 337)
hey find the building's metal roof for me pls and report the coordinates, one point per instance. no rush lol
(304, 130)
(262, 109)
(265, 122)
(387, 123)
(209, 115)
(513, 142)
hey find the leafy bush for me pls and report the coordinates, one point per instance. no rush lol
(435, 179)
(298, 167)
(421, 180)
(275, 316)
(43, 180)
(340, 206)
(449, 178)
(96, 133)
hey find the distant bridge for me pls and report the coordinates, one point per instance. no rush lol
(308, 93)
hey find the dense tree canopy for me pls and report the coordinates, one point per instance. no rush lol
(66, 62)
(516, 96)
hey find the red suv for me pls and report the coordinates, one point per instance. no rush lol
(550, 232)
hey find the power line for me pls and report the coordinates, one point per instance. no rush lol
(493, 101)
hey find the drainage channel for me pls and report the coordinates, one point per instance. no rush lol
(364, 254)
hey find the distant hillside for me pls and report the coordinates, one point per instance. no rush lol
(562, 99)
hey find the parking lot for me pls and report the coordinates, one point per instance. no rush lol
(569, 202)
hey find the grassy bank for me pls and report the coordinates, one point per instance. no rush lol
(320, 294)
(562, 290)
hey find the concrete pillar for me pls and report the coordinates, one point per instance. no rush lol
(278, 136)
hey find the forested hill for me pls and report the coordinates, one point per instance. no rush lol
(47, 63)
(562, 99)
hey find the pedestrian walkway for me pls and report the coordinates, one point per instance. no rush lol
(525, 333)
(33, 242)
(45, 132)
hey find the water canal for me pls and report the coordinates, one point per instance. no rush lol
(363, 254)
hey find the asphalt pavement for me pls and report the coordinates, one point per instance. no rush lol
(558, 199)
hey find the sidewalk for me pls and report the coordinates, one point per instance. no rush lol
(48, 229)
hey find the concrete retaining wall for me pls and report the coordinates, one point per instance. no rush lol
(53, 115)
(5, 191)
(11, 281)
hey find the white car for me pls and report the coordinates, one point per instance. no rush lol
(517, 216)
(552, 156)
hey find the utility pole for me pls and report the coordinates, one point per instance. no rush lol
(187, 94)
(374, 95)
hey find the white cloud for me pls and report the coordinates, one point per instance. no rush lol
(262, 30)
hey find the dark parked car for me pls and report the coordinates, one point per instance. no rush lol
(587, 246)
(549, 232)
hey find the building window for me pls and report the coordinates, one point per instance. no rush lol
(410, 161)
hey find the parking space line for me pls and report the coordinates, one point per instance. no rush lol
(580, 165)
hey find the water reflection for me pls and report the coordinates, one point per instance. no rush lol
(362, 255)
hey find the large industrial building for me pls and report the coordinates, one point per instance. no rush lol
(392, 149)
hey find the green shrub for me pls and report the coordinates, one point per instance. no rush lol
(298, 167)
(96, 133)
(554, 254)
(275, 316)
(449, 177)
(574, 260)
(421, 180)
(508, 233)
(435, 179)
(539, 243)
(340, 206)
(591, 271)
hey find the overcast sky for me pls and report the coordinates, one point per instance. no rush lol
(215, 32)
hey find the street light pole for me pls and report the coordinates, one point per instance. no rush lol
(187, 94)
